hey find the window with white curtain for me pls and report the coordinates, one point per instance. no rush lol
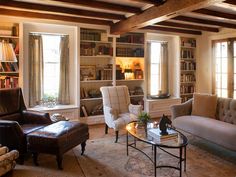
(51, 62)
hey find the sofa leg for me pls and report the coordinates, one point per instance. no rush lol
(35, 158)
(83, 147)
(59, 162)
(106, 129)
(117, 135)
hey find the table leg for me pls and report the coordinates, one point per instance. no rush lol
(155, 160)
(185, 158)
(180, 162)
(127, 142)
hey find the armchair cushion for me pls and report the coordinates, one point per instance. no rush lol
(123, 120)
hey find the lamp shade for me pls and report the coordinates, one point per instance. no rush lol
(7, 53)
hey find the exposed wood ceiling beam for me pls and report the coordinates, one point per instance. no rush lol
(188, 26)
(156, 2)
(206, 22)
(103, 5)
(175, 30)
(233, 2)
(58, 9)
(216, 13)
(160, 13)
(52, 17)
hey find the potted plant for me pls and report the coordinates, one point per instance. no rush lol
(143, 118)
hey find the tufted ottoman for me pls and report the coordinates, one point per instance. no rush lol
(57, 139)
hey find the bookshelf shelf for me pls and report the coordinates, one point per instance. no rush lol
(187, 68)
(130, 44)
(129, 80)
(89, 41)
(91, 81)
(91, 99)
(96, 56)
(9, 71)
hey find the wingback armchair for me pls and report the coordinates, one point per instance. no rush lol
(118, 111)
(16, 121)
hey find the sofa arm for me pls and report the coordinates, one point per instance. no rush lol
(181, 110)
(36, 117)
(135, 109)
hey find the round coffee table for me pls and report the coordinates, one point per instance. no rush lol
(176, 140)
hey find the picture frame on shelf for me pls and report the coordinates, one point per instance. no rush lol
(87, 72)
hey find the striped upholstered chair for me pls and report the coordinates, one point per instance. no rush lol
(118, 111)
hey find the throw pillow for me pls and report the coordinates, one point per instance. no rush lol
(204, 105)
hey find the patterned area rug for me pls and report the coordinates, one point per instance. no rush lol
(104, 158)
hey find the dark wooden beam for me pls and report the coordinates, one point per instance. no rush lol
(216, 13)
(58, 9)
(102, 5)
(20, 13)
(160, 13)
(155, 2)
(233, 2)
(173, 30)
(206, 22)
(188, 26)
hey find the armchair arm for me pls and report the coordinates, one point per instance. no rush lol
(11, 134)
(36, 117)
(135, 109)
(181, 110)
(110, 115)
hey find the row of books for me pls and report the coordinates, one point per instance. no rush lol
(8, 67)
(156, 134)
(129, 52)
(104, 74)
(185, 98)
(132, 38)
(188, 65)
(90, 49)
(187, 89)
(86, 34)
(8, 82)
(187, 54)
(187, 78)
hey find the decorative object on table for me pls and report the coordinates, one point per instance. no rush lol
(58, 117)
(163, 124)
(143, 118)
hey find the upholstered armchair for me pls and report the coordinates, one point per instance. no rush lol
(16, 121)
(118, 111)
(7, 159)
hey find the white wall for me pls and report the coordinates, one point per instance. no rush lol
(173, 56)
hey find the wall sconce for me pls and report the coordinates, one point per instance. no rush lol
(7, 53)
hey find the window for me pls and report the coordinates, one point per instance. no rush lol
(158, 76)
(51, 65)
(221, 69)
(225, 68)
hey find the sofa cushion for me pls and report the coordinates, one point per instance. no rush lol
(204, 105)
(226, 110)
(216, 131)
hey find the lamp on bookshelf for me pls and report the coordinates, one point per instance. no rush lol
(7, 53)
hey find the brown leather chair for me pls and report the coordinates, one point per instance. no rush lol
(16, 122)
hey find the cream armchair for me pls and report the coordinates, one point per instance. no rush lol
(7, 159)
(118, 111)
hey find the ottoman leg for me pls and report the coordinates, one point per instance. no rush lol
(59, 162)
(35, 158)
(83, 147)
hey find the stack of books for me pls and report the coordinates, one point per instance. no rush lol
(156, 134)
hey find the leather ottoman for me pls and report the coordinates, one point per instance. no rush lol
(57, 139)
